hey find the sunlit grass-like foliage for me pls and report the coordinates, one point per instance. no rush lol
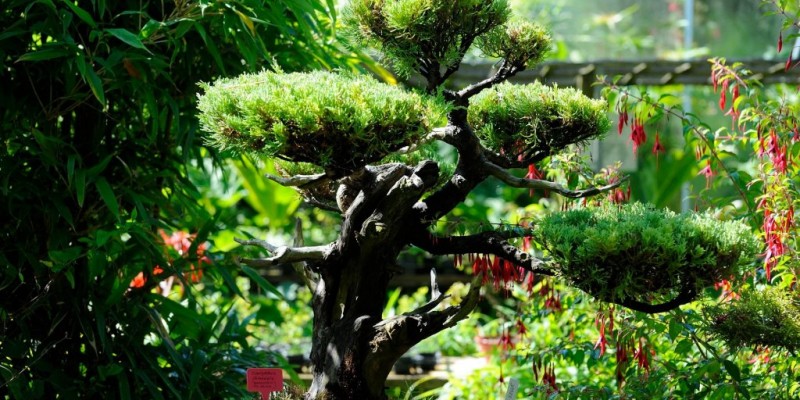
(769, 317)
(336, 121)
(414, 33)
(519, 42)
(533, 119)
(635, 251)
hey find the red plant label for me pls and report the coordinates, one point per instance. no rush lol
(264, 380)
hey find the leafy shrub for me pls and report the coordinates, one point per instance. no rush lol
(99, 133)
(353, 121)
(617, 253)
(533, 120)
(519, 42)
(409, 31)
(769, 317)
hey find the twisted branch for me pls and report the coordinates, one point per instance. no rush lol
(511, 180)
(284, 254)
(687, 295)
(296, 180)
(491, 242)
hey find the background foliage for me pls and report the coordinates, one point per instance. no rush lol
(101, 151)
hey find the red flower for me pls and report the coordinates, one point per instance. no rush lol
(637, 134)
(533, 173)
(641, 356)
(708, 173)
(602, 342)
(623, 120)
(658, 147)
(521, 328)
(723, 94)
(138, 281)
(779, 160)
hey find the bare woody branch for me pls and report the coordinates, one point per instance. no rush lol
(504, 71)
(284, 254)
(437, 134)
(296, 180)
(494, 243)
(511, 180)
(687, 295)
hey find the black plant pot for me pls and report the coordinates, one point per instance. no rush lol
(403, 365)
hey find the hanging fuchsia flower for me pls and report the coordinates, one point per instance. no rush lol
(602, 342)
(780, 41)
(623, 120)
(522, 330)
(533, 173)
(506, 342)
(723, 94)
(780, 160)
(708, 173)
(638, 136)
(773, 236)
(658, 148)
(530, 282)
(641, 356)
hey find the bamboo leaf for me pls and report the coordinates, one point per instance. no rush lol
(107, 194)
(80, 187)
(261, 282)
(81, 13)
(48, 53)
(95, 84)
(128, 37)
(246, 21)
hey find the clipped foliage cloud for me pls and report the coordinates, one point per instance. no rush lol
(519, 42)
(337, 121)
(410, 31)
(628, 252)
(769, 317)
(534, 120)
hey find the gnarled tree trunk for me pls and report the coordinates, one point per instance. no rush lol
(353, 347)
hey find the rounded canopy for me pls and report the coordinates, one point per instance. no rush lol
(336, 121)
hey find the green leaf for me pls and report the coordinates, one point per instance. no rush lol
(95, 84)
(211, 47)
(64, 257)
(81, 13)
(732, 369)
(247, 21)
(108, 195)
(229, 280)
(46, 53)
(80, 187)
(675, 329)
(127, 37)
(261, 282)
(124, 387)
(684, 346)
(106, 371)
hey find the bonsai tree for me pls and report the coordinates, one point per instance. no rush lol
(366, 151)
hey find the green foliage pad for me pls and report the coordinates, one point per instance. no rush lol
(335, 121)
(534, 119)
(632, 251)
(769, 317)
(422, 33)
